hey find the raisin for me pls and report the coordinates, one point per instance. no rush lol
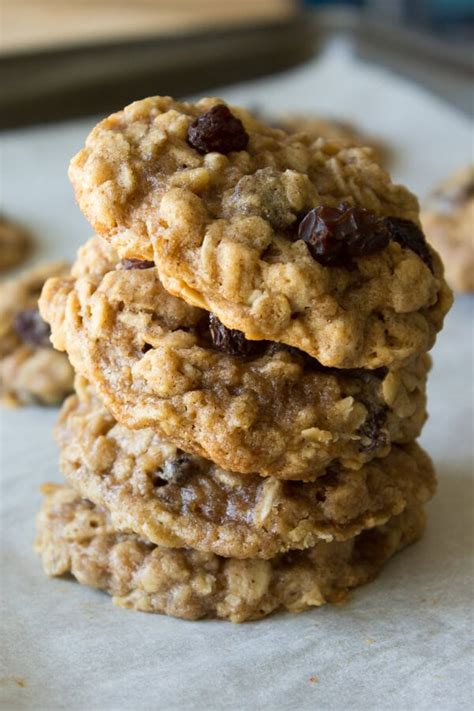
(218, 130)
(176, 471)
(136, 264)
(373, 430)
(232, 341)
(31, 328)
(410, 236)
(335, 235)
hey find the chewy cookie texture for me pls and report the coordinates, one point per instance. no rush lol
(30, 370)
(175, 499)
(73, 536)
(284, 238)
(249, 334)
(249, 406)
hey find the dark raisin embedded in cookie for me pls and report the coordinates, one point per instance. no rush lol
(232, 341)
(218, 130)
(410, 236)
(136, 264)
(373, 430)
(336, 235)
(31, 328)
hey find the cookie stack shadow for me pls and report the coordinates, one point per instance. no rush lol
(217, 473)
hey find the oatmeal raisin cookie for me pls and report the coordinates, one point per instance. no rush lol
(74, 536)
(286, 239)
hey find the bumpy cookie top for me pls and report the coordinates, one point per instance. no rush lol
(75, 536)
(284, 238)
(175, 499)
(249, 406)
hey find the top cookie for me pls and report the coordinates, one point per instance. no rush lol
(448, 221)
(302, 242)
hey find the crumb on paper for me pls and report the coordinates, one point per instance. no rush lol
(18, 680)
(369, 640)
(313, 679)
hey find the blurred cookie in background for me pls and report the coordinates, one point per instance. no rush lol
(330, 129)
(15, 244)
(448, 223)
(31, 371)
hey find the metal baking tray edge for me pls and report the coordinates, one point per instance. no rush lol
(58, 84)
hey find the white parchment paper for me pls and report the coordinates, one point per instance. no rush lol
(402, 642)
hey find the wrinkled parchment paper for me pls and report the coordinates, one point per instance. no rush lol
(399, 643)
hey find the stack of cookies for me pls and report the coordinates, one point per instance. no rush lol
(250, 334)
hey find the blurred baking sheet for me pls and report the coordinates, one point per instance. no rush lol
(96, 70)
(32, 25)
(403, 642)
(74, 62)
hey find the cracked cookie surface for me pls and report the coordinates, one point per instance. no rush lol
(223, 230)
(448, 220)
(31, 371)
(73, 536)
(170, 498)
(276, 412)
